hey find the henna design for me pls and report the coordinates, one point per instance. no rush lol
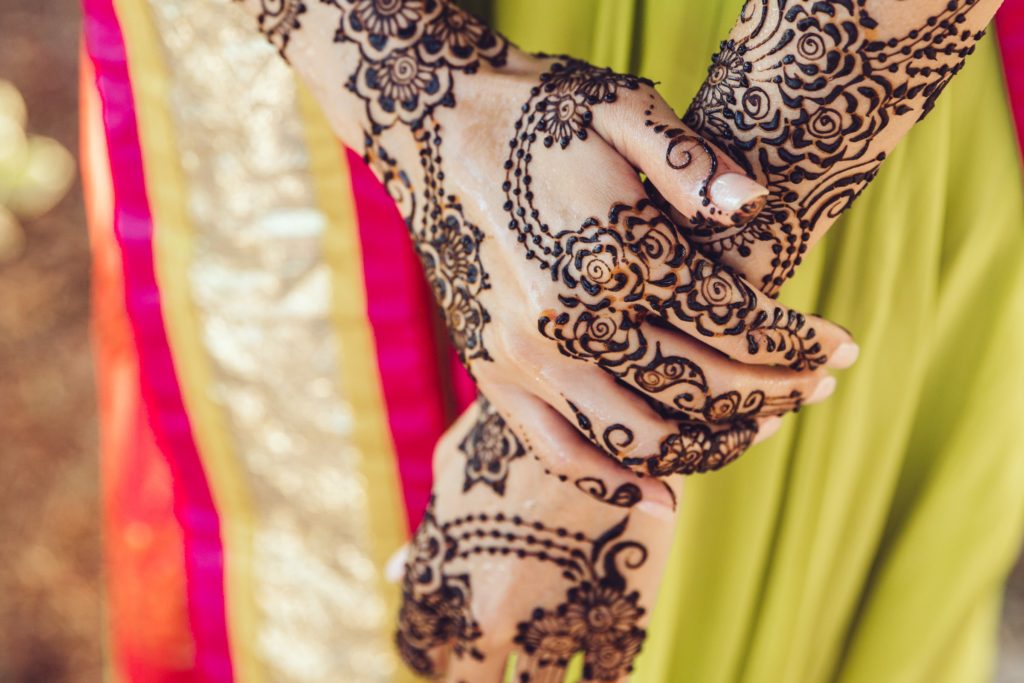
(599, 615)
(410, 50)
(636, 262)
(436, 602)
(490, 447)
(277, 19)
(798, 94)
(616, 271)
(625, 495)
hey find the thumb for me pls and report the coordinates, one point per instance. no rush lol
(693, 175)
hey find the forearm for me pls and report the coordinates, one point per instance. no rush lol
(811, 97)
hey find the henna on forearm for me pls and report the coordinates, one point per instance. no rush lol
(810, 97)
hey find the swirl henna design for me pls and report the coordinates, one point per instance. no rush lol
(410, 50)
(799, 94)
(635, 262)
(436, 601)
(599, 615)
(613, 272)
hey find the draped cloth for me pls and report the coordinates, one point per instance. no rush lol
(272, 381)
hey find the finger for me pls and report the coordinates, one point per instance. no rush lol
(690, 172)
(394, 570)
(697, 448)
(653, 446)
(747, 325)
(489, 669)
(688, 377)
(605, 413)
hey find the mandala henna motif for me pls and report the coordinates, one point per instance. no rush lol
(798, 94)
(599, 616)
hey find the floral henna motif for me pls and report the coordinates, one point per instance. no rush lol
(633, 263)
(410, 49)
(798, 94)
(436, 602)
(278, 18)
(489, 447)
(599, 616)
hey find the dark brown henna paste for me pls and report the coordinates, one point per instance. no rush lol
(798, 94)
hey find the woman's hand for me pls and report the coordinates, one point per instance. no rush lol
(510, 559)
(810, 97)
(557, 276)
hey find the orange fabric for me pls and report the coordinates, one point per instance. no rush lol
(149, 634)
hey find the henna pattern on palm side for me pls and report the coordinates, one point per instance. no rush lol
(798, 93)
(599, 615)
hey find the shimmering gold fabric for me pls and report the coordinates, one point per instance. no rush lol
(260, 287)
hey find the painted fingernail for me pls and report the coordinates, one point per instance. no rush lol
(656, 509)
(844, 356)
(825, 388)
(737, 194)
(395, 567)
(767, 429)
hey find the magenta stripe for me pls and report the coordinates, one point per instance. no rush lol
(1010, 27)
(399, 303)
(133, 226)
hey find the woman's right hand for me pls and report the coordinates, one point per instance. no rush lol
(560, 281)
(510, 559)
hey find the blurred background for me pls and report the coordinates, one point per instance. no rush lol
(51, 614)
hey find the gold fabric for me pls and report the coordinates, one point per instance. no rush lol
(261, 289)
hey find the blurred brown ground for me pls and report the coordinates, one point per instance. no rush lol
(50, 595)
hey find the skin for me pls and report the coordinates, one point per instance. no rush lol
(569, 285)
(679, 372)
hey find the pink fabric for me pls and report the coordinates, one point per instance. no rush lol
(1010, 28)
(399, 305)
(133, 226)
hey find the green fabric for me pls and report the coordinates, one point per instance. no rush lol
(868, 541)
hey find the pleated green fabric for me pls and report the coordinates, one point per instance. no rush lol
(869, 541)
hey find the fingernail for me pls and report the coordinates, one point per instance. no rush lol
(767, 429)
(655, 509)
(825, 388)
(844, 356)
(395, 567)
(736, 193)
